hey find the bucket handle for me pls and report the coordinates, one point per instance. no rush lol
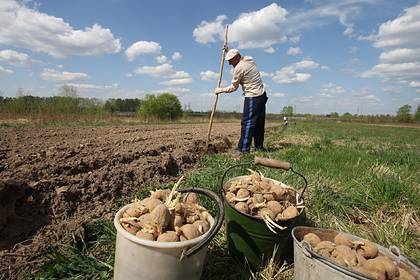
(271, 163)
(217, 224)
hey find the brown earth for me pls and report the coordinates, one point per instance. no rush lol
(54, 180)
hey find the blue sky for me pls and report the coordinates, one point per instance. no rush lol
(357, 56)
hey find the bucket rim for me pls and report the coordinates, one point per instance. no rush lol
(301, 210)
(157, 244)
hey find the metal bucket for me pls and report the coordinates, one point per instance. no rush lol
(250, 242)
(308, 265)
(137, 258)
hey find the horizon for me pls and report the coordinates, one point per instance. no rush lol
(356, 56)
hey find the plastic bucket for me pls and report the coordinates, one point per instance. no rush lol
(249, 240)
(308, 265)
(137, 258)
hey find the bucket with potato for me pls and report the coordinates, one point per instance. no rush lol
(330, 254)
(165, 236)
(260, 213)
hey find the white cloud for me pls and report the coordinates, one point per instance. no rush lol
(270, 50)
(5, 70)
(160, 70)
(176, 56)
(84, 87)
(290, 74)
(209, 76)
(277, 94)
(180, 75)
(392, 90)
(331, 90)
(400, 55)
(266, 74)
(415, 84)
(142, 48)
(15, 58)
(24, 27)
(398, 38)
(54, 75)
(209, 32)
(177, 82)
(178, 90)
(259, 29)
(294, 51)
(161, 59)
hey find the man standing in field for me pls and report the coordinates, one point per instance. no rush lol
(246, 74)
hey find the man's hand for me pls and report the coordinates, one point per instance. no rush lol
(225, 48)
(218, 90)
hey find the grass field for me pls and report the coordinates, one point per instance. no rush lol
(363, 179)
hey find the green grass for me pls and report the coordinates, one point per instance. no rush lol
(363, 180)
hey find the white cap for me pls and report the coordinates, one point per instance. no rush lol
(231, 54)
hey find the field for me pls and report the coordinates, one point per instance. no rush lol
(61, 186)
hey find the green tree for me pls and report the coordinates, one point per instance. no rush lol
(347, 115)
(417, 115)
(163, 106)
(67, 91)
(334, 115)
(287, 111)
(403, 114)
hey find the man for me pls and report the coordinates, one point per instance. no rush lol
(245, 73)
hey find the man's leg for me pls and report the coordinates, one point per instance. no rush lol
(249, 118)
(260, 124)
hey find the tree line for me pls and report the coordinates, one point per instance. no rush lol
(67, 102)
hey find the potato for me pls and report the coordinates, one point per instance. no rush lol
(145, 235)
(150, 203)
(266, 212)
(191, 198)
(367, 249)
(242, 193)
(342, 239)
(268, 196)
(324, 248)
(344, 254)
(404, 275)
(275, 207)
(189, 231)
(130, 227)
(390, 267)
(230, 197)
(202, 226)
(134, 211)
(375, 266)
(144, 220)
(258, 197)
(288, 213)
(160, 194)
(242, 207)
(312, 239)
(369, 273)
(175, 220)
(169, 236)
(160, 216)
(278, 191)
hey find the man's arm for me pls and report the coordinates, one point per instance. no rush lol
(237, 77)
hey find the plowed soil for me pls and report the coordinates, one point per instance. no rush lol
(54, 180)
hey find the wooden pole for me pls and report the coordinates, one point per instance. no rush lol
(216, 96)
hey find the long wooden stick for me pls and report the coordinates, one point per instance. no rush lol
(216, 96)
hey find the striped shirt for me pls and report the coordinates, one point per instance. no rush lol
(246, 74)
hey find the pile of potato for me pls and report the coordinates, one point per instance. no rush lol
(358, 255)
(262, 198)
(166, 216)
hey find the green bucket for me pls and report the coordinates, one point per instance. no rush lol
(250, 242)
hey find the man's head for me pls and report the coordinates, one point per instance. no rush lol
(233, 56)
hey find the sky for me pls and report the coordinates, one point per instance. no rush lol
(319, 56)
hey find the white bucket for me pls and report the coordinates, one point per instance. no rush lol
(137, 258)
